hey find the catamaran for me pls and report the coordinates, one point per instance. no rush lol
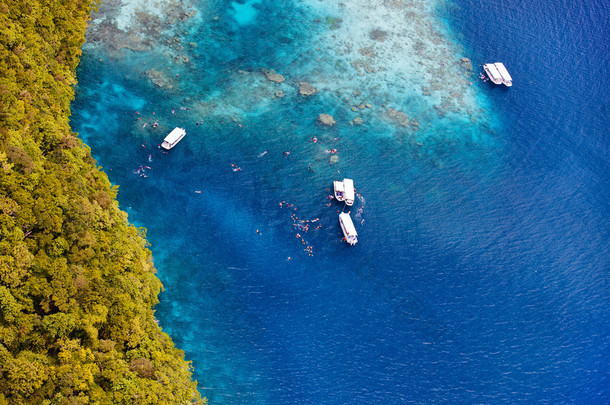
(498, 74)
(344, 191)
(173, 138)
(347, 226)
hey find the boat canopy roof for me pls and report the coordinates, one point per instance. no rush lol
(348, 224)
(493, 71)
(349, 189)
(503, 72)
(339, 186)
(175, 135)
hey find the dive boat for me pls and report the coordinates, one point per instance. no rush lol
(493, 73)
(173, 138)
(339, 190)
(506, 79)
(344, 191)
(347, 226)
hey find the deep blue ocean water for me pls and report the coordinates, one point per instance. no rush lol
(482, 269)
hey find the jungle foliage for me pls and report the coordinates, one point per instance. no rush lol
(77, 283)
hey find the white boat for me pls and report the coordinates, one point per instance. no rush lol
(349, 231)
(493, 73)
(339, 190)
(173, 138)
(344, 191)
(349, 191)
(506, 79)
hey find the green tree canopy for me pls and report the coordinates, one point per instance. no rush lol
(77, 283)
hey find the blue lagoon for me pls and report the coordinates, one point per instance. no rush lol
(480, 273)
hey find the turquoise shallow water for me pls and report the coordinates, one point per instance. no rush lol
(481, 274)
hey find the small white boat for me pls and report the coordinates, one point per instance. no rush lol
(344, 191)
(506, 79)
(173, 138)
(349, 231)
(339, 190)
(493, 73)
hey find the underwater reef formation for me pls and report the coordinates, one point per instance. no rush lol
(356, 62)
(77, 282)
(327, 119)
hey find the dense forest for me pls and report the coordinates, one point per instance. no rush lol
(77, 282)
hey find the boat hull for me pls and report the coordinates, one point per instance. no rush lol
(173, 138)
(344, 191)
(347, 226)
(339, 190)
(506, 78)
(498, 74)
(492, 73)
(348, 184)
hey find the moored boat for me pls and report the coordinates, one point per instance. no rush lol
(339, 190)
(344, 191)
(493, 73)
(506, 79)
(347, 226)
(348, 184)
(173, 138)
